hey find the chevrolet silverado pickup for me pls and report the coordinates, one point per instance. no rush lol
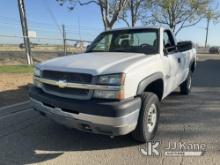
(115, 87)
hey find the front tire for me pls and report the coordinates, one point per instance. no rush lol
(185, 87)
(148, 118)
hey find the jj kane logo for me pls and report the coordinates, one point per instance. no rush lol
(152, 148)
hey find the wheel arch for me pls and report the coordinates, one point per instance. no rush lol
(153, 83)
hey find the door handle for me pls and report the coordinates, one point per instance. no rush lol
(179, 60)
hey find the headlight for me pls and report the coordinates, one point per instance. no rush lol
(112, 79)
(37, 72)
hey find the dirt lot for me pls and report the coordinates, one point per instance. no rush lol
(19, 58)
(14, 87)
(13, 55)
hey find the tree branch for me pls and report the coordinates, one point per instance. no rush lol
(87, 3)
(185, 26)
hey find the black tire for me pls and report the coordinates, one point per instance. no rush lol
(185, 87)
(142, 133)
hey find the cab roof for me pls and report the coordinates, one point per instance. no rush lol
(141, 27)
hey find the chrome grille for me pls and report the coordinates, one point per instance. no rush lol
(80, 78)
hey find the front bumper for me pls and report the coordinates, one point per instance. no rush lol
(96, 116)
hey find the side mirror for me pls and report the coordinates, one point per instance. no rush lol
(184, 46)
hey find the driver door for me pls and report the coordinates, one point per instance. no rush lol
(172, 60)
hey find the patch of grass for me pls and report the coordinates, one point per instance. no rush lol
(16, 69)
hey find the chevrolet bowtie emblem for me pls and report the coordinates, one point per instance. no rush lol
(62, 83)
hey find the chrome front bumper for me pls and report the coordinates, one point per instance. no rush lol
(112, 126)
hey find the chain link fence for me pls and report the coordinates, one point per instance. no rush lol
(13, 53)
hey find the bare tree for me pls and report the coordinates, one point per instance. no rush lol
(210, 15)
(133, 12)
(177, 14)
(110, 9)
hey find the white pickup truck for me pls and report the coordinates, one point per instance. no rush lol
(115, 87)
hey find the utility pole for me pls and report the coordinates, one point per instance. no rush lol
(24, 26)
(64, 39)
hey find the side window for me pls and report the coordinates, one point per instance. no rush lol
(168, 41)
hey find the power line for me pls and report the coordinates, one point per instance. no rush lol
(33, 22)
(13, 25)
(9, 19)
(47, 38)
(52, 15)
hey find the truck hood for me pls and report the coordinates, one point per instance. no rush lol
(93, 63)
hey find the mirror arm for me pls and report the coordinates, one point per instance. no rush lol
(165, 52)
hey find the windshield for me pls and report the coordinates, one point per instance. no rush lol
(132, 40)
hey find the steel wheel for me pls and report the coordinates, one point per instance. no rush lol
(152, 118)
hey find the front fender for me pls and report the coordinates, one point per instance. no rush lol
(148, 80)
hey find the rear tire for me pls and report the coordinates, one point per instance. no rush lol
(148, 118)
(185, 87)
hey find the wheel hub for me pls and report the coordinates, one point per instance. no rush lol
(152, 118)
(189, 82)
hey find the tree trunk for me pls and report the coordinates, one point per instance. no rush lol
(207, 32)
(108, 27)
(132, 14)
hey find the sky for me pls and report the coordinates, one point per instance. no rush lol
(45, 17)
